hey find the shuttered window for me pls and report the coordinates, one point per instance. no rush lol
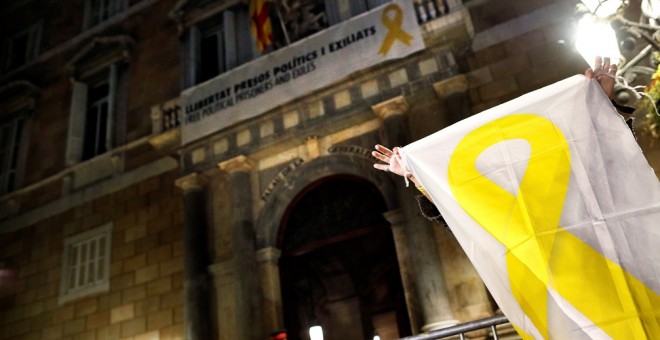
(86, 263)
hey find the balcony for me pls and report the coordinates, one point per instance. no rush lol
(433, 16)
(429, 10)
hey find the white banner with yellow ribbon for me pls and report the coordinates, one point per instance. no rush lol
(384, 33)
(554, 203)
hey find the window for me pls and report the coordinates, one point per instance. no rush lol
(302, 18)
(18, 99)
(342, 10)
(217, 45)
(11, 132)
(97, 104)
(98, 11)
(95, 141)
(212, 50)
(224, 40)
(86, 263)
(23, 47)
(97, 120)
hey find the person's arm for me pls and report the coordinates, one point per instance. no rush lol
(391, 158)
(604, 72)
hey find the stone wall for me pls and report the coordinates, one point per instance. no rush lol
(146, 278)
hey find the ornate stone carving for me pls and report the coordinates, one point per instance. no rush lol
(353, 150)
(447, 87)
(238, 163)
(192, 181)
(395, 106)
(281, 177)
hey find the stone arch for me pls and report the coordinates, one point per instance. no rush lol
(270, 217)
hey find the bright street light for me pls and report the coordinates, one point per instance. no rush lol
(596, 38)
(602, 8)
(316, 333)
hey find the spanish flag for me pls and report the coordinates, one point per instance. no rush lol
(260, 24)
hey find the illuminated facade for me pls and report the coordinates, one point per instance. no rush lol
(120, 221)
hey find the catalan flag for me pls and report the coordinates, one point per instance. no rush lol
(260, 24)
(555, 205)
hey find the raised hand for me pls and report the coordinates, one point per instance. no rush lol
(604, 73)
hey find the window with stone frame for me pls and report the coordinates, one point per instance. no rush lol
(95, 138)
(11, 141)
(93, 113)
(98, 11)
(216, 44)
(86, 263)
(22, 47)
(302, 18)
(18, 100)
(97, 119)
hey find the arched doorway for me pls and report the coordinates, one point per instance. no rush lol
(339, 267)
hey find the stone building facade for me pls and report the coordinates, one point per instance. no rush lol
(110, 228)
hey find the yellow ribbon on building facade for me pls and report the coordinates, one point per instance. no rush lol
(394, 30)
(539, 253)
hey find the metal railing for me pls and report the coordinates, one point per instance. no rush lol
(166, 116)
(463, 328)
(427, 10)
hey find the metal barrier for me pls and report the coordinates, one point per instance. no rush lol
(463, 328)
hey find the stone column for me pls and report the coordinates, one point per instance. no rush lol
(196, 282)
(415, 237)
(405, 268)
(247, 293)
(453, 94)
(269, 275)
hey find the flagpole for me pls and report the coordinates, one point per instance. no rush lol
(279, 16)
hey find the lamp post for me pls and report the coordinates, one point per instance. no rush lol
(603, 29)
(605, 26)
(602, 8)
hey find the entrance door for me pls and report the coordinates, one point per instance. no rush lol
(339, 267)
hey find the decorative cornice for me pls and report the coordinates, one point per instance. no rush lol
(30, 89)
(124, 41)
(453, 85)
(313, 148)
(185, 12)
(167, 142)
(395, 106)
(177, 12)
(239, 163)
(190, 182)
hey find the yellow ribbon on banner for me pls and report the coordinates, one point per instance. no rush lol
(540, 254)
(394, 30)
